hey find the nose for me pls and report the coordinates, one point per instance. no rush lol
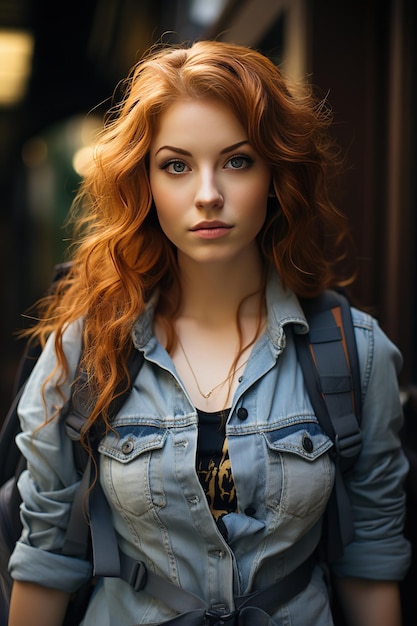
(208, 195)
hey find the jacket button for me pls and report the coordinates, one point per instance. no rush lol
(307, 444)
(127, 447)
(242, 413)
(250, 511)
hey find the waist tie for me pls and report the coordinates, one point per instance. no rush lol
(251, 609)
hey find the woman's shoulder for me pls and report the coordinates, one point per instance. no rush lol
(362, 319)
(379, 357)
(47, 361)
(367, 325)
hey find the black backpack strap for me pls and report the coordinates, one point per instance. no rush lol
(328, 357)
(105, 549)
(253, 608)
(89, 500)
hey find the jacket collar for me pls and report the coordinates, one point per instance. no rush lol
(283, 308)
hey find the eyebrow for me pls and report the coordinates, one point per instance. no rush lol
(226, 150)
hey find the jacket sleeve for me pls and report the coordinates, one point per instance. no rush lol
(48, 485)
(376, 483)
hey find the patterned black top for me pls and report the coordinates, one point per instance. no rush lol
(213, 463)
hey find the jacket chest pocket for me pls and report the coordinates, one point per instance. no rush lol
(131, 468)
(301, 473)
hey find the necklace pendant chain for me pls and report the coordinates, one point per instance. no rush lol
(208, 394)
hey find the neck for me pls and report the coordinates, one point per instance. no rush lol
(213, 293)
(213, 297)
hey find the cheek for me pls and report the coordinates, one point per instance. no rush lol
(164, 205)
(158, 193)
(166, 217)
(169, 210)
(259, 219)
(158, 188)
(253, 203)
(169, 200)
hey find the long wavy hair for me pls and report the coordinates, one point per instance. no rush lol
(120, 254)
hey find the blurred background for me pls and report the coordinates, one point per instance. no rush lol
(60, 64)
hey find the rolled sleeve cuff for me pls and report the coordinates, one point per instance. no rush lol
(375, 562)
(48, 569)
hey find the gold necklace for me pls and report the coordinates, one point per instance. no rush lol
(220, 384)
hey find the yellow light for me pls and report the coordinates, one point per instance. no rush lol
(82, 159)
(16, 51)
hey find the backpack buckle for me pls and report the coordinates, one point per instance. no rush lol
(348, 441)
(217, 615)
(138, 576)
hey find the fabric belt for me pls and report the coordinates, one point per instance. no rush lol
(254, 608)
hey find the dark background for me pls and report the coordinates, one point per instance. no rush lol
(361, 53)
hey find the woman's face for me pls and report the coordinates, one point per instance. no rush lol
(209, 185)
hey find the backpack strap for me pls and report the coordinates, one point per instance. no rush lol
(328, 357)
(89, 497)
(253, 608)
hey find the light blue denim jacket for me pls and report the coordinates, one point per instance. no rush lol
(159, 508)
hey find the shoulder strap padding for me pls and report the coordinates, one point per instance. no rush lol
(328, 357)
(329, 360)
(90, 501)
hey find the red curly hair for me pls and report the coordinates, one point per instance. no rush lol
(121, 253)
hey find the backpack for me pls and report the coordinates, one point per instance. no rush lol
(329, 361)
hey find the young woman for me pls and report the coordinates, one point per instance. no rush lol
(204, 216)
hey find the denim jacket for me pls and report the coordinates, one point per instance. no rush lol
(160, 512)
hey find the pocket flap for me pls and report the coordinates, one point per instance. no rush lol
(127, 442)
(305, 439)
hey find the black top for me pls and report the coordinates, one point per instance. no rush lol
(213, 463)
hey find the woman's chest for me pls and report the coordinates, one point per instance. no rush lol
(277, 455)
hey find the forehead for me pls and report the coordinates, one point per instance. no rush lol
(186, 121)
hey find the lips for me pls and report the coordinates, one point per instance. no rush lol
(211, 230)
(210, 225)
